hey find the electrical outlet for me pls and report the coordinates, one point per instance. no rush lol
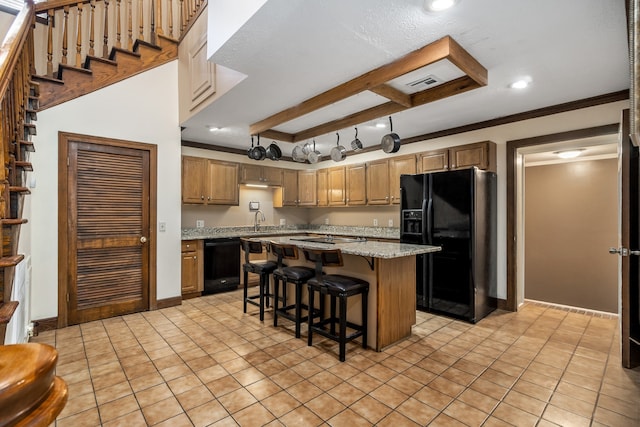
(326, 221)
(375, 222)
(162, 227)
(390, 223)
(199, 223)
(283, 221)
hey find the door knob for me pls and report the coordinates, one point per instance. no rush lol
(143, 239)
(623, 251)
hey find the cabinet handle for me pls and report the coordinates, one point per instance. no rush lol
(208, 197)
(386, 197)
(201, 197)
(195, 257)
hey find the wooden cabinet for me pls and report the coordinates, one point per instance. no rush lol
(401, 165)
(378, 182)
(322, 187)
(480, 154)
(337, 180)
(287, 195)
(307, 190)
(258, 174)
(209, 182)
(192, 267)
(356, 185)
(194, 180)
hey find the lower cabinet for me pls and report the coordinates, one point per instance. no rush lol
(192, 268)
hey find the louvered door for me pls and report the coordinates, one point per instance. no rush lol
(108, 230)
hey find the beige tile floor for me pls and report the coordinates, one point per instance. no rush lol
(206, 363)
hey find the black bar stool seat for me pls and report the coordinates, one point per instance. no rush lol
(298, 275)
(338, 287)
(260, 267)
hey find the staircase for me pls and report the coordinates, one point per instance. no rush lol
(29, 83)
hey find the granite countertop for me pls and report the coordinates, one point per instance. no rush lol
(363, 248)
(334, 230)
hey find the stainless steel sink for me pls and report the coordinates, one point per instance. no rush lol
(330, 239)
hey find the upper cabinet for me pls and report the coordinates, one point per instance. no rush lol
(322, 187)
(287, 195)
(337, 181)
(401, 165)
(307, 190)
(209, 182)
(258, 174)
(356, 185)
(480, 154)
(378, 182)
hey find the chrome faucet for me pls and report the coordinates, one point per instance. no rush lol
(256, 221)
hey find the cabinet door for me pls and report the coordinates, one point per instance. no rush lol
(378, 182)
(271, 176)
(223, 183)
(337, 184)
(356, 185)
(251, 174)
(322, 187)
(194, 178)
(189, 272)
(307, 188)
(469, 155)
(289, 187)
(398, 166)
(434, 161)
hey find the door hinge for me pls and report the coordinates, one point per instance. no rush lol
(67, 297)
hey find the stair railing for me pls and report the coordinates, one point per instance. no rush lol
(75, 24)
(18, 103)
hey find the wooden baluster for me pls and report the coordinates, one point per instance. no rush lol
(79, 38)
(193, 9)
(64, 34)
(92, 51)
(159, 29)
(118, 27)
(50, 43)
(130, 25)
(140, 20)
(152, 32)
(182, 16)
(170, 17)
(105, 44)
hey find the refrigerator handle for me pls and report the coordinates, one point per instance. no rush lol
(426, 221)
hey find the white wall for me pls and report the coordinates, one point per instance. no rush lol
(6, 19)
(143, 108)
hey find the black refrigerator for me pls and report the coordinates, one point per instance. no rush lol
(455, 210)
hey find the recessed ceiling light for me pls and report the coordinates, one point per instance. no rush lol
(519, 84)
(213, 128)
(568, 154)
(438, 5)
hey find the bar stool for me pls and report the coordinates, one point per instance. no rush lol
(262, 268)
(337, 287)
(298, 275)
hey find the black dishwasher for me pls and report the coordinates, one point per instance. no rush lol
(221, 264)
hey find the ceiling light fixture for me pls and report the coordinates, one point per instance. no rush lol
(439, 5)
(519, 84)
(213, 128)
(568, 154)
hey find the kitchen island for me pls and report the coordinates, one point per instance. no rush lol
(390, 269)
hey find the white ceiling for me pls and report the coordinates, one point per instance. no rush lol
(292, 50)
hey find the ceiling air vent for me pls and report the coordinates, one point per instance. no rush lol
(426, 81)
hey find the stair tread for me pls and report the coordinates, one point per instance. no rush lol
(28, 145)
(115, 50)
(12, 222)
(6, 311)
(13, 189)
(11, 261)
(48, 79)
(27, 166)
(90, 58)
(146, 44)
(73, 68)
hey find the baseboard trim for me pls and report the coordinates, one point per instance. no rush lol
(502, 305)
(43, 325)
(169, 302)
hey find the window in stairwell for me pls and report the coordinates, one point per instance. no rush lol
(11, 6)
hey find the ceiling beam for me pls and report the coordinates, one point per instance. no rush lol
(393, 94)
(375, 81)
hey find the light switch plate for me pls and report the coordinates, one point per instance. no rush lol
(162, 227)
(390, 223)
